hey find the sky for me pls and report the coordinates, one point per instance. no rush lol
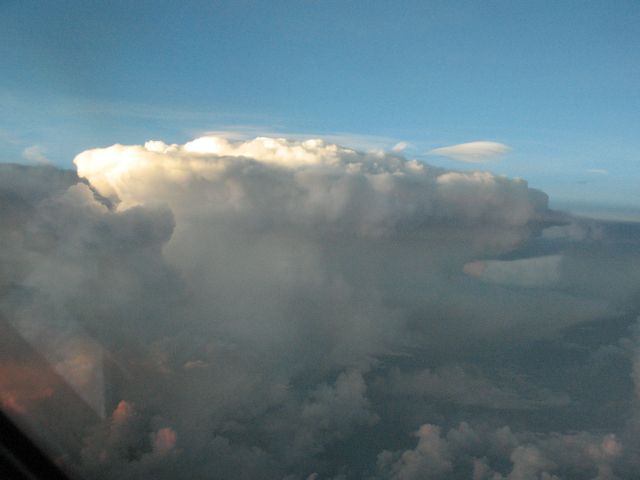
(322, 240)
(554, 81)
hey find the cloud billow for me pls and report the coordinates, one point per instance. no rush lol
(274, 308)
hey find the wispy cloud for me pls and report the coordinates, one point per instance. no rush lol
(400, 147)
(35, 154)
(472, 152)
(598, 171)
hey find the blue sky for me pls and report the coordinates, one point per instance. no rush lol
(555, 81)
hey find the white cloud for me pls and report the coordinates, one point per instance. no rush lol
(322, 183)
(357, 141)
(472, 152)
(400, 147)
(35, 154)
(598, 171)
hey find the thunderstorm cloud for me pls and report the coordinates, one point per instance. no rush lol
(283, 309)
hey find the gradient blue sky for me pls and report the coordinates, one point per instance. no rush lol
(557, 81)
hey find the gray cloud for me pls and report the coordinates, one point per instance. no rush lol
(467, 452)
(451, 383)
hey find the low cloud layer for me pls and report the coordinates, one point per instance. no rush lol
(472, 152)
(528, 456)
(295, 309)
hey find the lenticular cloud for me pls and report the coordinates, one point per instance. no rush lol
(282, 309)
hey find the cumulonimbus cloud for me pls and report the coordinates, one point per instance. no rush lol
(315, 180)
(472, 152)
(276, 308)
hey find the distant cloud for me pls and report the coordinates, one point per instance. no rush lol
(400, 147)
(501, 454)
(598, 171)
(35, 154)
(472, 152)
(524, 272)
(453, 384)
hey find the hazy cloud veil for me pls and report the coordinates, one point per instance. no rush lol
(296, 309)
